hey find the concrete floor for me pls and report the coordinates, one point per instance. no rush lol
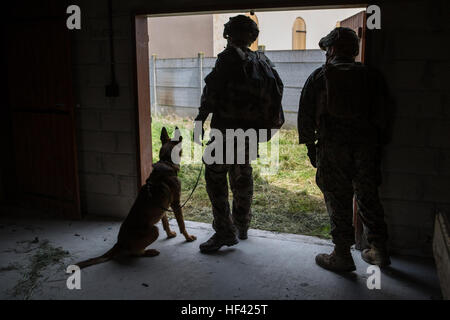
(266, 266)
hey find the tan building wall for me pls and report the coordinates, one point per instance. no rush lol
(219, 42)
(181, 36)
(275, 27)
(185, 36)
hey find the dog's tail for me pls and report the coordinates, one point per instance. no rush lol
(110, 254)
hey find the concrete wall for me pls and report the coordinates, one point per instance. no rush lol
(441, 252)
(416, 166)
(2, 188)
(106, 133)
(178, 81)
(182, 36)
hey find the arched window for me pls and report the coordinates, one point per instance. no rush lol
(299, 34)
(253, 16)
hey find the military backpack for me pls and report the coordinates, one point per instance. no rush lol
(253, 94)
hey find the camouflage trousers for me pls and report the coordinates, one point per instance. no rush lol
(241, 183)
(344, 170)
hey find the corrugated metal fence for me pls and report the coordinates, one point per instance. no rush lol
(179, 82)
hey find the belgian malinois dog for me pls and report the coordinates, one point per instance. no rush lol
(161, 191)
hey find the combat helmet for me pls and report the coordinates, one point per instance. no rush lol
(345, 40)
(241, 29)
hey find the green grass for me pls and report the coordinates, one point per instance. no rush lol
(45, 256)
(288, 201)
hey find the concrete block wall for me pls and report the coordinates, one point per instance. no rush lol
(416, 177)
(106, 130)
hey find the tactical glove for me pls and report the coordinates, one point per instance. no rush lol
(312, 154)
(198, 134)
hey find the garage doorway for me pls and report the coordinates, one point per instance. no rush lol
(291, 202)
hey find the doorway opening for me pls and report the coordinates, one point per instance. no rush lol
(182, 50)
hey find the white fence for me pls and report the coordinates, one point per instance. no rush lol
(179, 82)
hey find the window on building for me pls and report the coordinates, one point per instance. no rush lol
(299, 34)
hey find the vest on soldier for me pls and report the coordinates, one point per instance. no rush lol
(252, 94)
(347, 103)
(346, 86)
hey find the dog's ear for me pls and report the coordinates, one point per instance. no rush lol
(177, 135)
(164, 136)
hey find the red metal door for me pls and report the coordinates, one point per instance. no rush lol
(42, 110)
(357, 22)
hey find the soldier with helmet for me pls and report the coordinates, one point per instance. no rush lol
(342, 119)
(230, 99)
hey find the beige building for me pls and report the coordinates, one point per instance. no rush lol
(186, 36)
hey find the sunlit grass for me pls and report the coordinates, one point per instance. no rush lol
(288, 201)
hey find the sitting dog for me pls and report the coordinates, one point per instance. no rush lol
(162, 189)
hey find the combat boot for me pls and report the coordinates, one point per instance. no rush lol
(216, 242)
(377, 255)
(243, 234)
(340, 260)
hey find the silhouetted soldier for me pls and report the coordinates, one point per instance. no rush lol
(228, 96)
(343, 106)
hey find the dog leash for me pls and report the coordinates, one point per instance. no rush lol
(192, 192)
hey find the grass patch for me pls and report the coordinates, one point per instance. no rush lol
(45, 256)
(288, 201)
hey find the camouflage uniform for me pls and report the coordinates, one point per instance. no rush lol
(240, 175)
(241, 183)
(347, 155)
